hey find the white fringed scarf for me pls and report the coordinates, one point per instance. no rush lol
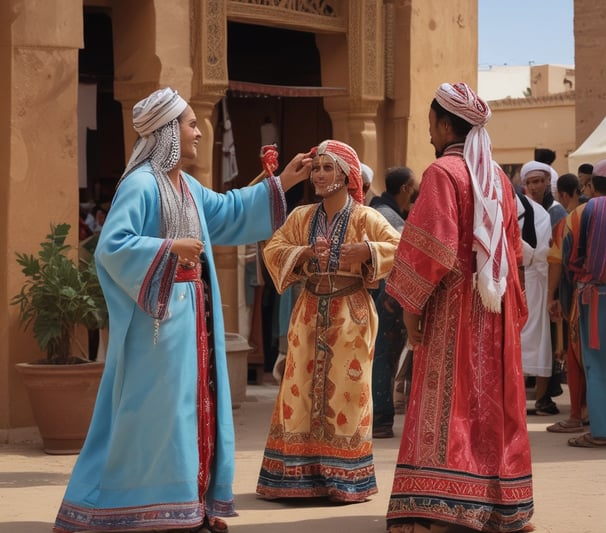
(489, 235)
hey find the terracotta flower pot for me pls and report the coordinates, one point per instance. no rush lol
(62, 399)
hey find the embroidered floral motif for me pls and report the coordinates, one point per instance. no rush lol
(355, 370)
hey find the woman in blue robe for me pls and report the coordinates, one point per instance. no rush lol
(160, 448)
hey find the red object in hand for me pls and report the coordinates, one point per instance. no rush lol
(269, 158)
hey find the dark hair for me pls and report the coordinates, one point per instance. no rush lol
(395, 178)
(585, 168)
(599, 184)
(568, 183)
(460, 126)
(544, 155)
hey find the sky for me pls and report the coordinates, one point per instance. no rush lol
(523, 32)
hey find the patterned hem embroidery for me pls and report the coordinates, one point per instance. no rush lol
(221, 508)
(333, 494)
(304, 476)
(480, 502)
(76, 518)
(475, 515)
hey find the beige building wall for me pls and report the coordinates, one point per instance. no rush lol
(39, 44)
(518, 126)
(427, 43)
(546, 80)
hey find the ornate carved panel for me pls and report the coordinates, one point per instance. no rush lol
(389, 60)
(316, 7)
(209, 44)
(365, 41)
(372, 49)
(309, 15)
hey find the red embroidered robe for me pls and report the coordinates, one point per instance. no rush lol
(464, 457)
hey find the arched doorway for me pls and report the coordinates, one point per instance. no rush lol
(274, 96)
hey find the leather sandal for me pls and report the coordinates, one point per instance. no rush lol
(566, 426)
(218, 526)
(587, 441)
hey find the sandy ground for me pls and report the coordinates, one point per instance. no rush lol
(569, 483)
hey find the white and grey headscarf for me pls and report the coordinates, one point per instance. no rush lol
(155, 120)
(150, 118)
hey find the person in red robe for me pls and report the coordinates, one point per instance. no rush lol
(464, 458)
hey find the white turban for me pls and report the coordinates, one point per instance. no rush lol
(158, 109)
(533, 166)
(489, 237)
(150, 114)
(367, 174)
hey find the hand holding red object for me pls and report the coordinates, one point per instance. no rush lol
(269, 158)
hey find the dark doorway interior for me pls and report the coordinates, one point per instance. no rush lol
(270, 56)
(105, 143)
(100, 134)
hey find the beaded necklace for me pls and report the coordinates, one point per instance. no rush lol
(334, 232)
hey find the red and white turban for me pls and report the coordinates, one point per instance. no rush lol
(461, 101)
(489, 237)
(347, 160)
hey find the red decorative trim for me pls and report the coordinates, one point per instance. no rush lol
(248, 89)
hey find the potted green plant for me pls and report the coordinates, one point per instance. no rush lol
(58, 295)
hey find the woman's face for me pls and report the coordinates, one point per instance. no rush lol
(189, 134)
(326, 176)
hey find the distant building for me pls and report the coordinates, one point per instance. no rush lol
(532, 107)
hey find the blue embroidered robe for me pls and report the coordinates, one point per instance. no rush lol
(138, 467)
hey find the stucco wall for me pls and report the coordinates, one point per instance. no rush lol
(519, 126)
(40, 42)
(432, 44)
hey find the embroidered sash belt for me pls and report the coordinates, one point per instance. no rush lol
(333, 285)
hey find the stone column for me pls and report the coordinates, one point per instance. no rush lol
(355, 60)
(209, 85)
(204, 108)
(151, 50)
(590, 74)
(39, 44)
(418, 62)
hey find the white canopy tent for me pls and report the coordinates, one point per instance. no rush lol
(591, 150)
